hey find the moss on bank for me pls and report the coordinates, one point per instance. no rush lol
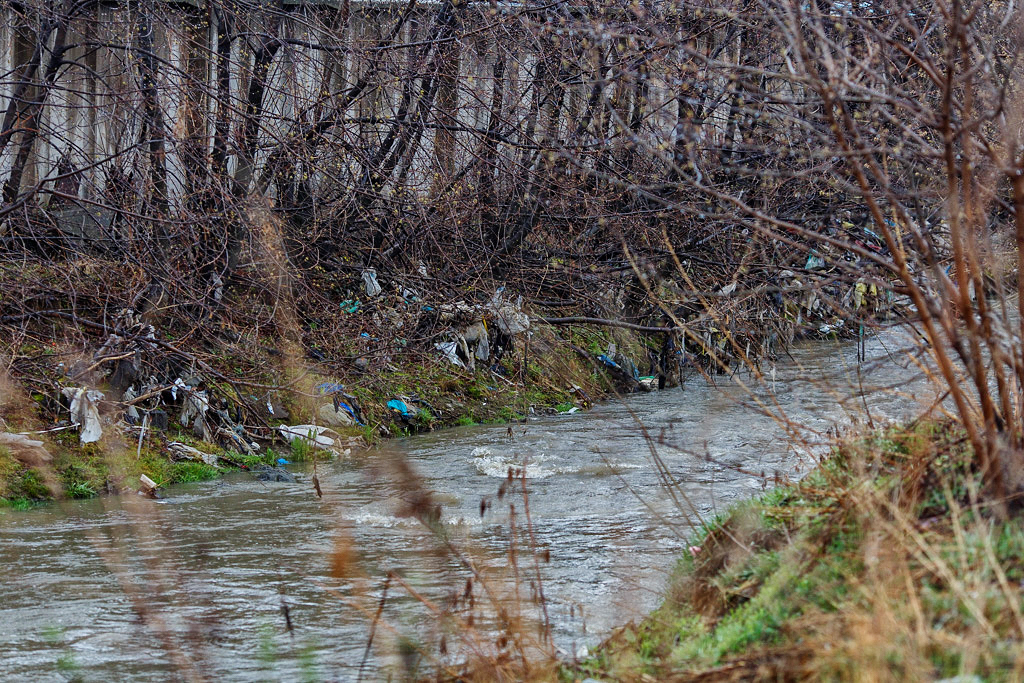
(882, 564)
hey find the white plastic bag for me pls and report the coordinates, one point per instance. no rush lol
(311, 435)
(84, 412)
(370, 283)
(450, 351)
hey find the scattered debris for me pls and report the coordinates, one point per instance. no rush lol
(197, 402)
(399, 406)
(132, 413)
(477, 334)
(450, 349)
(84, 412)
(582, 396)
(814, 262)
(370, 283)
(338, 413)
(508, 316)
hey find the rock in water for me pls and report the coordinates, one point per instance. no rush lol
(269, 473)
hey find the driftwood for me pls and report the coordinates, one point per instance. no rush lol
(147, 487)
(180, 451)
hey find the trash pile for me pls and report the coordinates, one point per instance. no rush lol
(472, 339)
(464, 333)
(198, 398)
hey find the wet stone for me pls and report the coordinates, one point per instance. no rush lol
(269, 473)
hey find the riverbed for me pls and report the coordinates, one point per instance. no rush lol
(237, 579)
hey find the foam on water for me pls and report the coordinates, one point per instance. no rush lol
(534, 466)
(385, 521)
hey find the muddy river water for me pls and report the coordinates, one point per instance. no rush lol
(125, 588)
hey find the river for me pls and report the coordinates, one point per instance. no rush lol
(126, 588)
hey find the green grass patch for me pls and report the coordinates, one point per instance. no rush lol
(190, 471)
(796, 582)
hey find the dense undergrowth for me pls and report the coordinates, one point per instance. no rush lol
(882, 564)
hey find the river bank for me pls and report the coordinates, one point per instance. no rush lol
(884, 563)
(372, 352)
(412, 392)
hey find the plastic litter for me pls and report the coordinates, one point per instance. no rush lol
(477, 334)
(508, 316)
(814, 262)
(370, 283)
(179, 383)
(282, 461)
(628, 366)
(349, 305)
(400, 407)
(84, 412)
(457, 311)
(312, 435)
(450, 351)
(196, 404)
(859, 293)
(348, 409)
(325, 388)
(132, 412)
(827, 328)
(218, 288)
(342, 410)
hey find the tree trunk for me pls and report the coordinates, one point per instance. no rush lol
(33, 111)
